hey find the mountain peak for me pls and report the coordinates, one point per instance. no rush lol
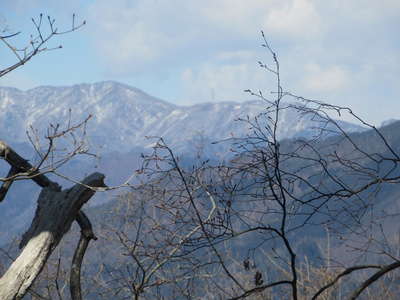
(389, 122)
(123, 116)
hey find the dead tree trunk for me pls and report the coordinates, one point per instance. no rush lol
(56, 211)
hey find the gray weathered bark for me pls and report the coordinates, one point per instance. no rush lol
(75, 274)
(22, 165)
(56, 211)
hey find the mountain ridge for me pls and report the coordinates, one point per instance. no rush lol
(123, 116)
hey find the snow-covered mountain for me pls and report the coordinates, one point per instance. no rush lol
(123, 116)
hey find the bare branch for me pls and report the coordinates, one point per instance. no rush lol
(340, 275)
(36, 44)
(383, 271)
(86, 235)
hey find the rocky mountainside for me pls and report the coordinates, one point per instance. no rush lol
(124, 116)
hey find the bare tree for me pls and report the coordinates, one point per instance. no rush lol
(57, 208)
(45, 30)
(289, 219)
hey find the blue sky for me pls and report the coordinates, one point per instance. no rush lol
(343, 52)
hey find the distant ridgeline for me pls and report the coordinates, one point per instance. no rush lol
(124, 116)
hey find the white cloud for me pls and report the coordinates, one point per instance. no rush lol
(204, 50)
(131, 35)
(363, 11)
(236, 16)
(297, 18)
(210, 47)
(223, 82)
(333, 78)
(239, 55)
